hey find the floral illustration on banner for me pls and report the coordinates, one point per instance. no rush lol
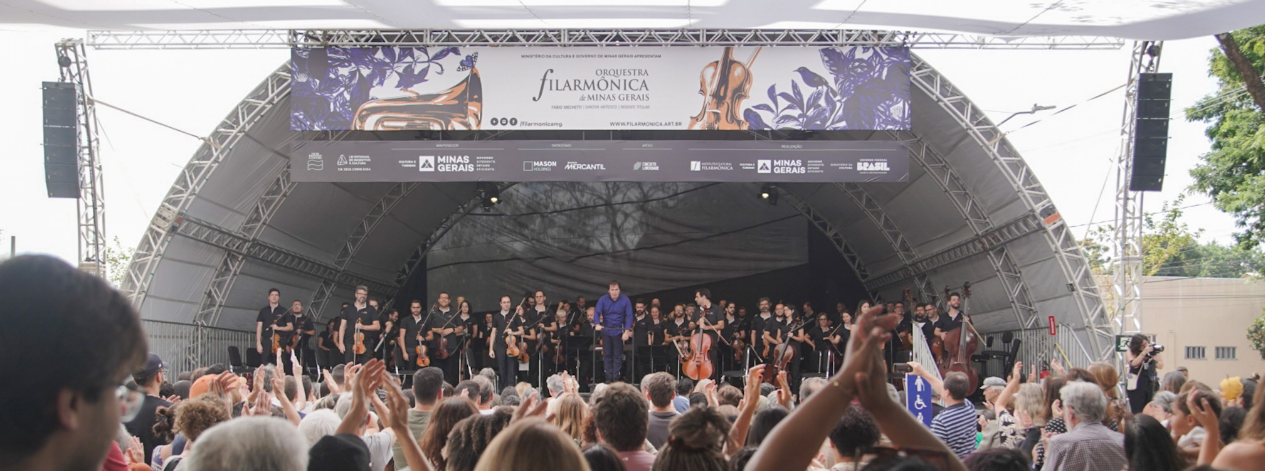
(329, 85)
(869, 90)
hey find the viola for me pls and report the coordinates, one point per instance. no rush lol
(740, 348)
(511, 345)
(725, 83)
(276, 342)
(699, 365)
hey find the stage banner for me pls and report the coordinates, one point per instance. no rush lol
(587, 161)
(724, 88)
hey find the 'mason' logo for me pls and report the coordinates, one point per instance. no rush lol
(426, 163)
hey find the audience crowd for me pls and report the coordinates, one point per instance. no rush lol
(96, 400)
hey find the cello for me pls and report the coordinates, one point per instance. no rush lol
(783, 355)
(960, 345)
(699, 363)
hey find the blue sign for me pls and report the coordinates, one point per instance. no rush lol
(918, 398)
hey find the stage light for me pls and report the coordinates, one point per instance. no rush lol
(490, 195)
(768, 192)
(495, 199)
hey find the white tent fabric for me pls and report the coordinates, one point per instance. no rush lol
(1131, 19)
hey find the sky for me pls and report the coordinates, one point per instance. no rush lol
(1073, 154)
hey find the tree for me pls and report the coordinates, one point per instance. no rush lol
(117, 259)
(1233, 173)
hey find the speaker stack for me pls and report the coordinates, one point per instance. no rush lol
(1150, 137)
(61, 140)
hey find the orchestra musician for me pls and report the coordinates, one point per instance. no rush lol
(411, 334)
(614, 319)
(733, 331)
(678, 333)
(711, 322)
(953, 318)
(757, 326)
(640, 341)
(657, 336)
(583, 329)
(359, 316)
(506, 366)
(304, 330)
(271, 319)
(467, 338)
(444, 329)
(816, 353)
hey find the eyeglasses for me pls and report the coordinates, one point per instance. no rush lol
(130, 399)
(937, 458)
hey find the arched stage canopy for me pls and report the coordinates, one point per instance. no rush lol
(234, 225)
(1132, 19)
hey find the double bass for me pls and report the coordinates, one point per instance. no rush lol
(960, 345)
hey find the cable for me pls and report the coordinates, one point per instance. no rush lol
(1145, 214)
(1056, 113)
(173, 128)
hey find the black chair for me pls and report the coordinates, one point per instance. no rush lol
(1007, 356)
(253, 359)
(235, 360)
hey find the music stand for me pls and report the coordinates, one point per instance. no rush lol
(573, 345)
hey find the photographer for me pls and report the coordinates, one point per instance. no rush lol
(1143, 360)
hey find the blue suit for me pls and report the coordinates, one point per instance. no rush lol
(615, 317)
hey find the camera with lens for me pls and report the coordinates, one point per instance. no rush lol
(1157, 348)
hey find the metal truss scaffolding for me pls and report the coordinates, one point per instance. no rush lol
(1097, 331)
(887, 226)
(822, 224)
(72, 57)
(1127, 286)
(280, 38)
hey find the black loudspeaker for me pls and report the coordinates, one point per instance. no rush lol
(1150, 136)
(61, 140)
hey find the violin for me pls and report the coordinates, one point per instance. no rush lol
(740, 348)
(960, 345)
(511, 345)
(725, 83)
(358, 346)
(276, 342)
(422, 360)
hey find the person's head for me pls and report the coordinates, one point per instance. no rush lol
(763, 305)
(1083, 402)
(728, 395)
(763, 422)
(655, 314)
(1184, 371)
(1182, 422)
(570, 413)
(613, 289)
(955, 300)
(703, 296)
(957, 384)
(1148, 446)
(153, 374)
(1173, 382)
(554, 383)
(739, 460)
(1254, 425)
(67, 409)
(471, 436)
(919, 312)
(1230, 422)
(529, 445)
(255, 443)
(660, 389)
(487, 387)
(319, 424)
(855, 434)
(1106, 377)
(684, 386)
(464, 308)
(998, 459)
(274, 296)
(443, 300)
(199, 414)
(1161, 406)
(362, 294)
(1246, 400)
(621, 415)
(1030, 399)
(1137, 343)
(695, 442)
(428, 385)
(442, 420)
(331, 326)
(602, 458)
(808, 386)
(640, 306)
(296, 308)
(469, 390)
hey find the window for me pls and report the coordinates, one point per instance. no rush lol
(1196, 353)
(1226, 353)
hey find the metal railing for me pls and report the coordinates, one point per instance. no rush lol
(1039, 347)
(172, 342)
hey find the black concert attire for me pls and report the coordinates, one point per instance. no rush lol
(357, 316)
(731, 332)
(445, 320)
(710, 317)
(586, 370)
(272, 317)
(640, 344)
(659, 357)
(514, 323)
(946, 323)
(302, 326)
(470, 357)
(327, 358)
(410, 326)
(674, 329)
(506, 366)
(756, 328)
(541, 364)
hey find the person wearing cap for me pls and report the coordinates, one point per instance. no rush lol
(66, 394)
(1184, 371)
(993, 387)
(1231, 388)
(149, 380)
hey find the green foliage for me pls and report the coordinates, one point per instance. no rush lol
(1256, 335)
(117, 259)
(1165, 239)
(1233, 173)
